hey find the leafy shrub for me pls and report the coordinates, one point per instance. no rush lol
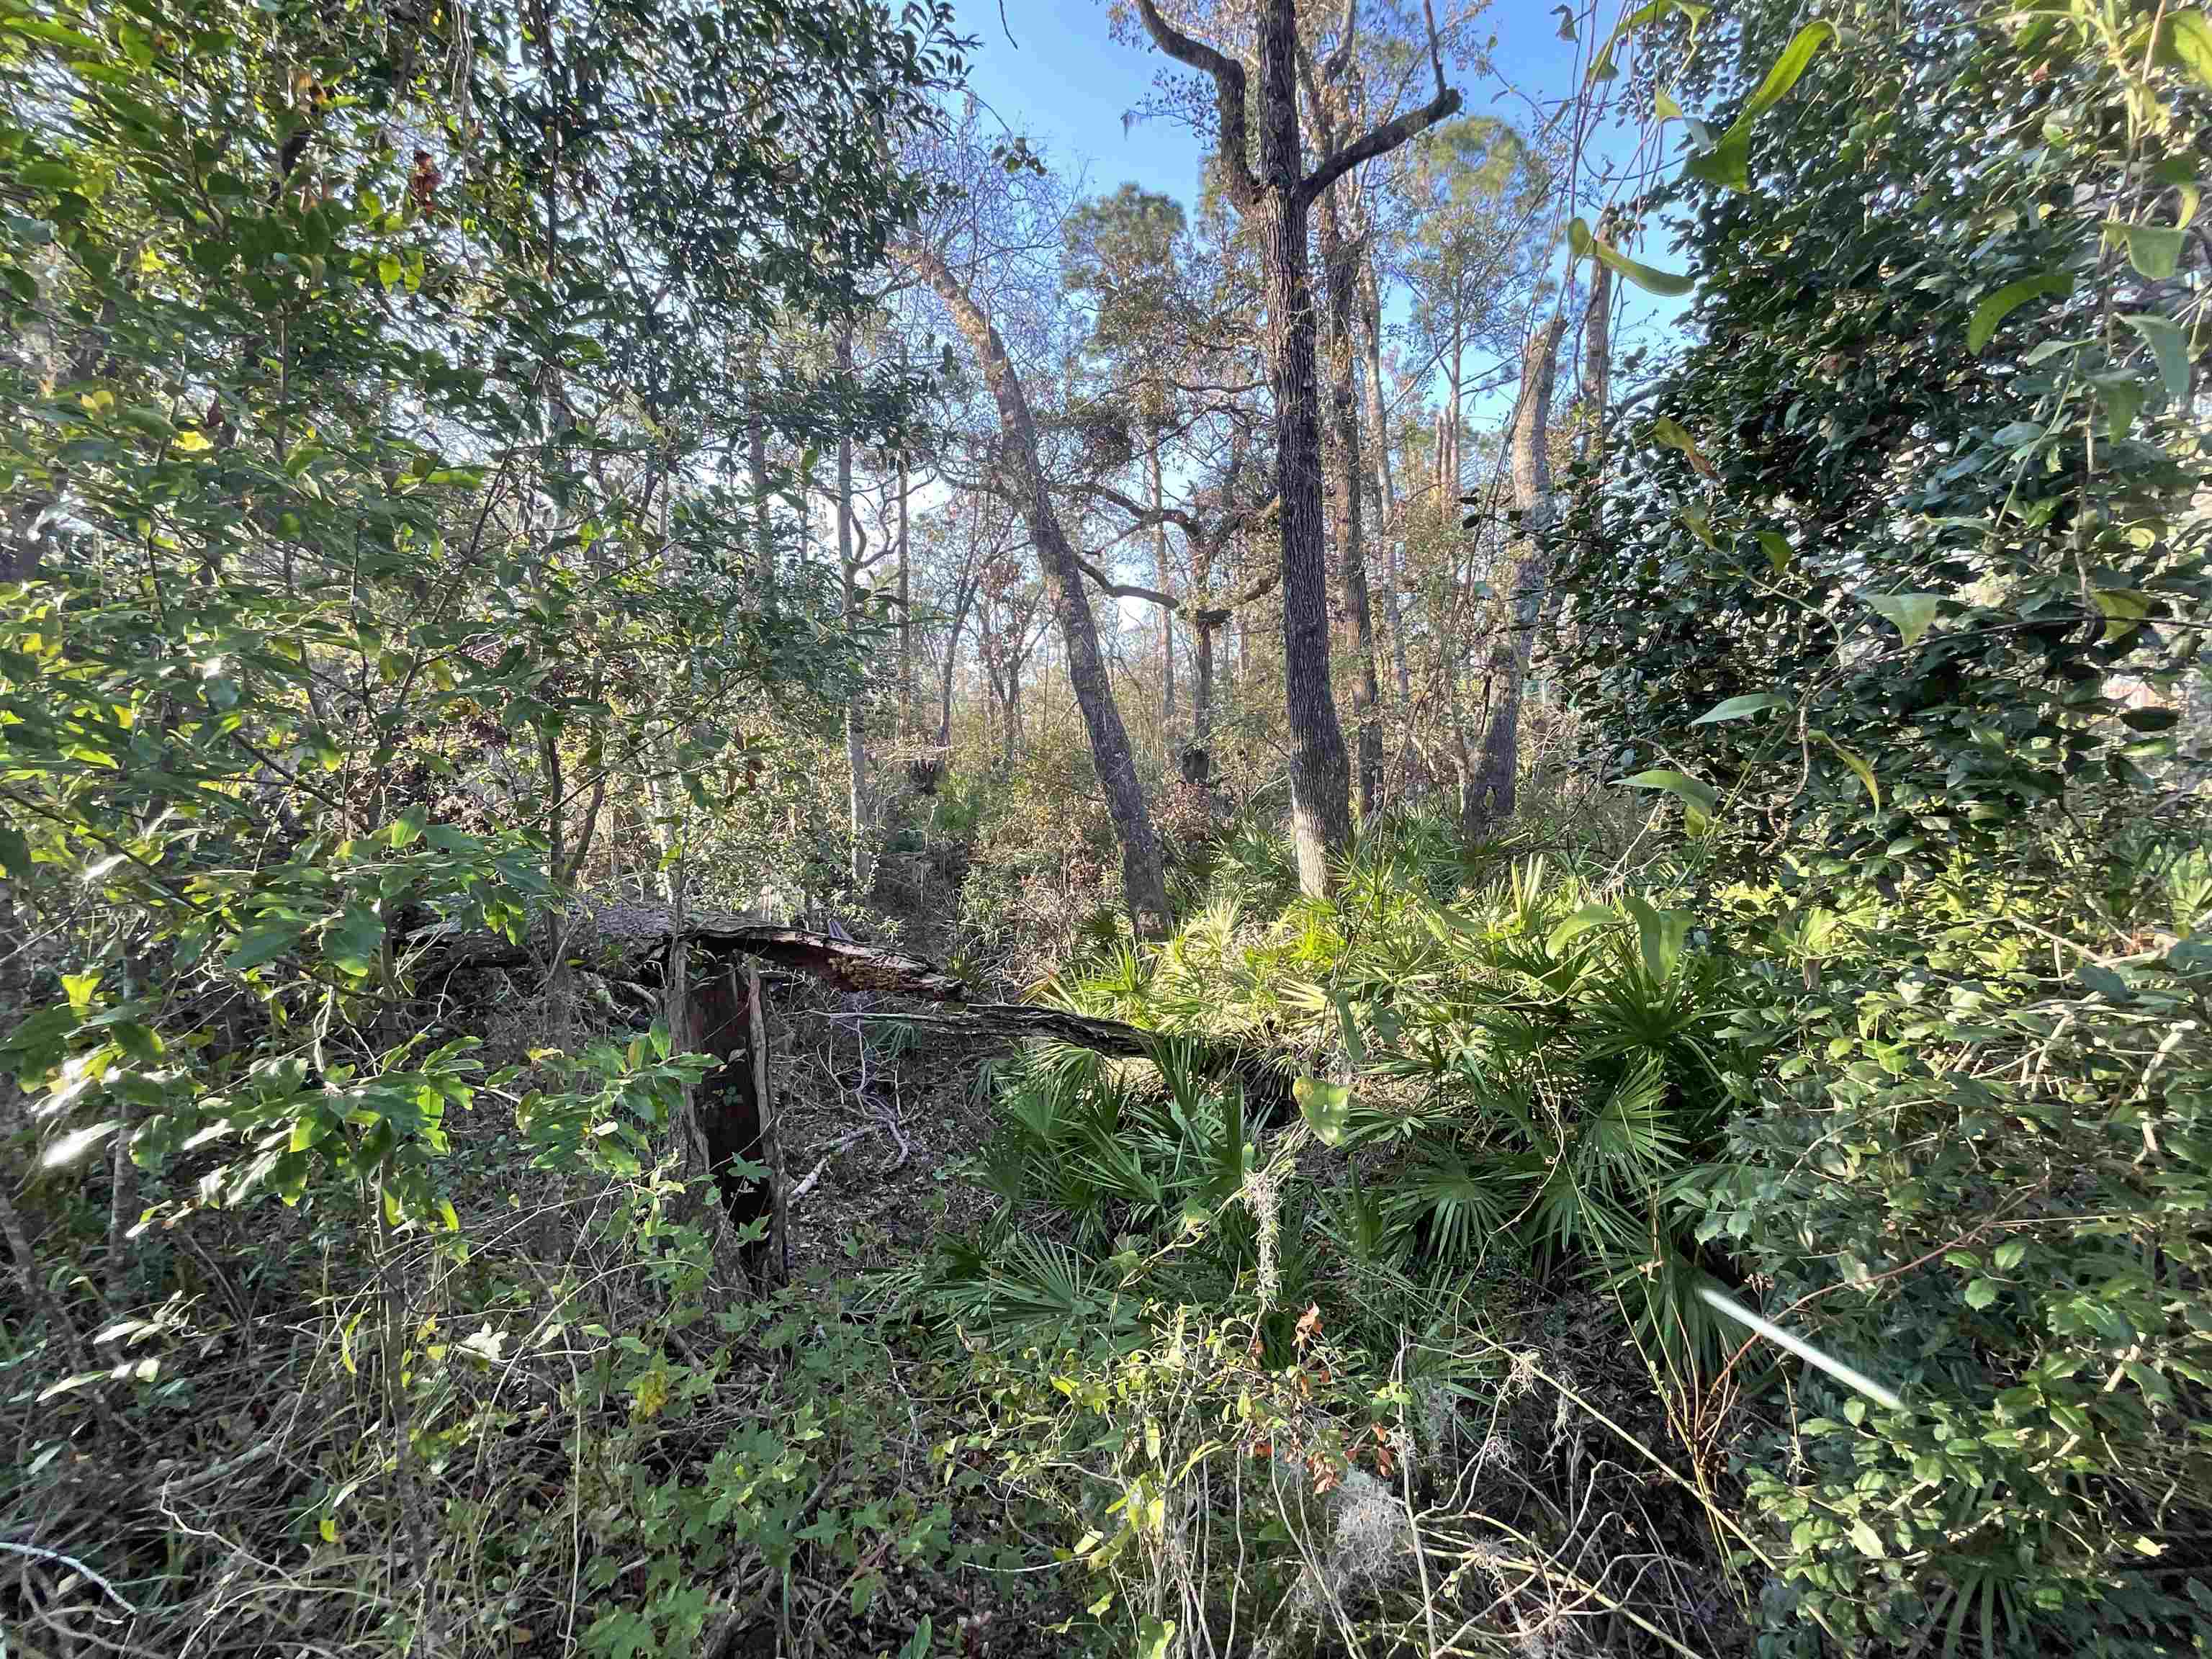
(1976, 1156)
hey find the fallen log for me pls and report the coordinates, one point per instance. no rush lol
(643, 934)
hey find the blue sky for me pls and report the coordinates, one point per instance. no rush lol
(1065, 81)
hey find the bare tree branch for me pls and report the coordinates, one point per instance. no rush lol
(1229, 97)
(1377, 141)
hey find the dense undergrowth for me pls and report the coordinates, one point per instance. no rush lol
(1952, 1135)
(1398, 1345)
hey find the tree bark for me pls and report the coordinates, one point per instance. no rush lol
(1142, 877)
(1521, 603)
(906, 612)
(1339, 259)
(1378, 422)
(1201, 697)
(1165, 580)
(756, 462)
(1321, 807)
(1276, 202)
(856, 747)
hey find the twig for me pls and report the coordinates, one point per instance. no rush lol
(74, 1565)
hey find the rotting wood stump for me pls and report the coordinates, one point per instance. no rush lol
(734, 1111)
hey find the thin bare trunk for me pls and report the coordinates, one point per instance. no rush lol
(1337, 257)
(856, 748)
(1143, 879)
(1276, 202)
(1163, 580)
(906, 612)
(1393, 598)
(1526, 576)
(756, 463)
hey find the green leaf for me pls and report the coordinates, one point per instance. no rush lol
(1671, 433)
(1777, 549)
(1692, 793)
(80, 987)
(1659, 935)
(47, 175)
(1589, 916)
(1868, 1539)
(1663, 105)
(2188, 42)
(263, 944)
(2103, 982)
(1859, 768)
(2168, 344)
(917, 1646)
(356, 943)
(387, 271)
(2121, 397)
(1728, 163)
(1602, 67)
(2123, 609)
(1981, 1292)
(1910, 612)
(1327, 1107)
(2153, 250)
(1582, 244)
(1982, 325)
(1743, 707)
(1354, 1049)
(1795, 56)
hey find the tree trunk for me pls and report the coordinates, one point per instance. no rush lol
(1321, 807)
(756, 460)
(1448, 486)
(1521, 602)
(1377, 421)
(1142, 878)
(906, 612)
(856, 750)
(1338, 262)
(1163, 579)
(944, 688)
(1275, 202)
(1201, 697)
